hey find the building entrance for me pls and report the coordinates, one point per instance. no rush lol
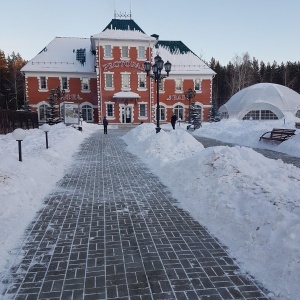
(126, 114)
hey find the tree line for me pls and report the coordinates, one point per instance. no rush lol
(240, 73)
(243, 71)
(12, 83)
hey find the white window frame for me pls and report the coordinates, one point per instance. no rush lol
(196, 82)
(143, 117)
(123, 50)
(124, 83)
(109, 88)
(88, 108)
(85, 82)
(45, 106)
(177, 81)
(43, 88)
(142, 76)
(66, 88)
(141, 52)
(113, 110)
(107, 51)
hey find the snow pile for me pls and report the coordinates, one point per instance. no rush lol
(249, 202)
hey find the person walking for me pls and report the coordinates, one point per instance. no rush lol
(105, 123)
(173, 120)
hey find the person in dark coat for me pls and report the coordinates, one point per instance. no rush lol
(105, 123)
(173, 120)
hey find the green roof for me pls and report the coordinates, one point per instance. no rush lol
(174, 46)
(123, 24)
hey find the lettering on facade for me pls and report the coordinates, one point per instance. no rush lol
(121, 63)
(176, 97)
(72, 97)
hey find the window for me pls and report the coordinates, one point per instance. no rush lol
(197, 85)
(43, 83)
(141, 52)
(107, 51)
(109, 110)
(124, 52)
(267, 115)
(161, 85)
(44, 112)
(178, 85)
(85, 84)
(142, 81)
(162, 113)
(109, 80)
(142, 109)
(64, 83)
(125, 81)
(252, 115)
(297, 114)
(260, 115)
(224, 115)
(87, 113)
(178, 111)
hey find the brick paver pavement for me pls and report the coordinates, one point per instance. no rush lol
(111, 230)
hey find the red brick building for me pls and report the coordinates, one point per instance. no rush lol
(105, 76)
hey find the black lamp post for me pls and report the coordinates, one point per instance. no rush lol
(158, 77)
(190, 94)
(19, 135)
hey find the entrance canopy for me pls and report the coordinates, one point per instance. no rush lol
(126, 95)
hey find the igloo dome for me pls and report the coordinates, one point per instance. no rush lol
(262, 101)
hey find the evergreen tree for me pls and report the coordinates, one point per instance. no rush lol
(15, 79)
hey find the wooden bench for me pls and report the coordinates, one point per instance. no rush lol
(278, 134)
(297, 125)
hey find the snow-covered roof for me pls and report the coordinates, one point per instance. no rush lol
(75, 55)
(112, 34)
(262, 96)
(182, 63)
(64, 54)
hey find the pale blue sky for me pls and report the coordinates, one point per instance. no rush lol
(267, 29)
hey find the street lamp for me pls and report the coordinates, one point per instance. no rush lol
(19, 135)
(46, 128)
(190, 94)
(158, 77)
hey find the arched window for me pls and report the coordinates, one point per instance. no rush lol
(260, 115)
(87, 113)
(178, 111)
(196, 112)
(162, 113)
(43, 112)
(224, 115)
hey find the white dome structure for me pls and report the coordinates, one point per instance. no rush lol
(262, 101)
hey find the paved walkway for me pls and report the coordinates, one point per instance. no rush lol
(111, 230)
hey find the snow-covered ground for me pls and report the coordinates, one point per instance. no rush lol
(249, 202)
